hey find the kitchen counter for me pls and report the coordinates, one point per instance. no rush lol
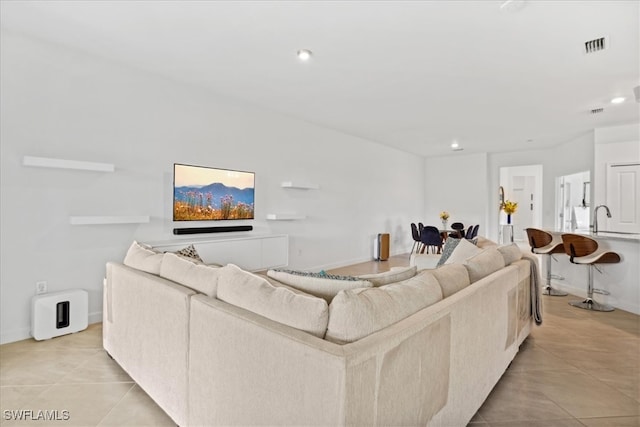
(620, 279)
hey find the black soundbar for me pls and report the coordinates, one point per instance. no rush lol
(201, 230)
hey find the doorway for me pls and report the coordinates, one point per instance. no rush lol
(523, 185)
(573, 195)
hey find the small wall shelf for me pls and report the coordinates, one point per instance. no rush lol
(299, 185)
(97, 220)
(285, 217)
(45, 162)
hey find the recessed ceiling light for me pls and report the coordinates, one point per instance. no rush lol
(618, 100)
(455, 146)
(304, 54)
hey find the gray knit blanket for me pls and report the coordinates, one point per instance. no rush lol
(536, 301)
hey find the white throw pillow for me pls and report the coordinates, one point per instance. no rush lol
(190, 273)
(486, 262)
(464, 250)
(396, 274)
(356, 313)
(510, 253)
(323, 286)
(278, 303)
(143, 258)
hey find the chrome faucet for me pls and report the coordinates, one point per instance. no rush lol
(595, 216)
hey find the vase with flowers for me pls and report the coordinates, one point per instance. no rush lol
(509, 208)
(444, 217)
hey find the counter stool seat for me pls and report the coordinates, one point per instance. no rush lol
(543, 243)
(584, 250)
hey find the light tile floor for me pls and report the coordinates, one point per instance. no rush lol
(579, 368)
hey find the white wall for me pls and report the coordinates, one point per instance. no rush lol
(65, 104)
(565, 159)
(612, 145)
(456, 184)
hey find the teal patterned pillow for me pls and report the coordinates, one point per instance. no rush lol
(321, 275)
(449, 245)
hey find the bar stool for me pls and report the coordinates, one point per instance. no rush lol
(543, 243)
(583, 250)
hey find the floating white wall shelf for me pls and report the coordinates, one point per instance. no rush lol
(97, 220)
(285, 217)
(299, 185)
(45, 162)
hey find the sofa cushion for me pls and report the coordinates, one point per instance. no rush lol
(484, 263)
(321, 285)
(278, 303)
(510, 253)
(452, 278)
(396, 274)
(142, 257)
(190, 273)
(356, 313)
(463, 250)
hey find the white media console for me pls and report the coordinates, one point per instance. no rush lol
(250, 252)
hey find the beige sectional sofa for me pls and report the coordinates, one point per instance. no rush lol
(222, 346)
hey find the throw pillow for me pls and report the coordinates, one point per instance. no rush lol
(189, 252)
(449, 246)
(465, 249)
(190, 273)
(510, 253)
(278, 303)
(392, 276)
(144, 258)
(483, 242)
(356, 313)
(486, 262)
(322, 285)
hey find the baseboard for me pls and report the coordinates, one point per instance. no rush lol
(15, 335)
(582, 293)
(21, 334)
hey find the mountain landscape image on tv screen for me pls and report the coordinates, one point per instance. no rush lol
(209, 194)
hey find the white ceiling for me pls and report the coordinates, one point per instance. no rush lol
(409, 74)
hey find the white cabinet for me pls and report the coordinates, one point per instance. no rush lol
(252, 253)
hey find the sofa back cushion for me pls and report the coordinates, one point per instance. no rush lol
(293, 308)
(486, 262)
(324, 286)
(356, 313)
(396, 274)
(510, 253)
(190, 273)
(452, 278)
(143, 258)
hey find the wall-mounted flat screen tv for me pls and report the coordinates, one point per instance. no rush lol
(209, 194)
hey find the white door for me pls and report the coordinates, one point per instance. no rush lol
(522, 190)
(623, 197)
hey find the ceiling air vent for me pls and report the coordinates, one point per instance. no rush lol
(597, 110)
(596, 45)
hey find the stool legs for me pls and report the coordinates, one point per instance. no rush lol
(589, 303)
(548, 290)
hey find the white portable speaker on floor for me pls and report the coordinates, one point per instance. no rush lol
(59, 313)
